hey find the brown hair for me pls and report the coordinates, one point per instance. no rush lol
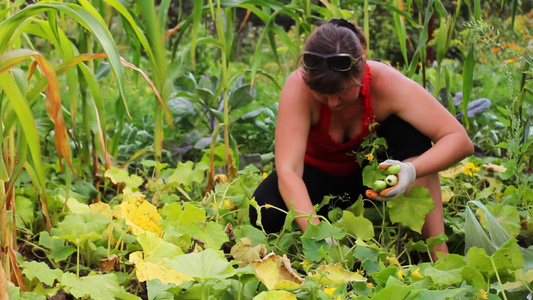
(335, 36)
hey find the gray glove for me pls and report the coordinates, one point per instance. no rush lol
(406, 176)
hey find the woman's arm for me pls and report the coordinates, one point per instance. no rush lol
(292, 129)
(394, 93)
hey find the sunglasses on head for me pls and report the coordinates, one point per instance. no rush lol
(339, 62)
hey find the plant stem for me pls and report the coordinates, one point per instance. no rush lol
(78, 258)
(498, 277)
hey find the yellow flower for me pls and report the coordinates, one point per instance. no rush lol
(265, 175)
(369, 285)
(370, 157)
(338, 297)
(229, 205)
(306, 263)
(268, 206)
(416, 273)
(400, 274)
(470, 169)
(482, 294)
(329, 291)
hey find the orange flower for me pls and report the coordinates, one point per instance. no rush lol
(511, 45)
(517, 58)
(526, 36)
(495, 49)
(503, 38)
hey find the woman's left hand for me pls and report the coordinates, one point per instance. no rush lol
(406, 177)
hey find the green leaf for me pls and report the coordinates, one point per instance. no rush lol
(101, 287)
(205, 265)
(383, 275)
(212, 234)
(25, 211)
(46, 240)
(411, 211)
(62, 253)
(419, 246)
(313, 240)
(468, 81)
(154, 247)
(477, 258)
(41, 271)
(508, 257)
(444, 278)
(255, 235)
(358, 227)
(118, 175)
(450, 293)
(370, 174)
(508, 217)
(392, 292)
(474, 277)
(81, 227)
(187, 214)
(436, 241)
(323, 230)
(185, 174)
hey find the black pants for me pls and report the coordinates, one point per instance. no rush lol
(403, 141)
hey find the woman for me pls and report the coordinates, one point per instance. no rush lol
(325, 111)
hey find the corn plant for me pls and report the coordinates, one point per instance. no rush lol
(21, 92)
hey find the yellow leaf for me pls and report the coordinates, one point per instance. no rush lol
(275, 295)
(393, 261)
(494, 168)
(275, 272)
(101, 208)
(336, 274)
(156, 270)
(140, 215)
(447, 194)
(244, 251)
(452, 172)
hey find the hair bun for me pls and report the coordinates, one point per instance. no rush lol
(344, 23)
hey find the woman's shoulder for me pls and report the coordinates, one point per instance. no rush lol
(295, 83)
(297, 76)
(383, 72)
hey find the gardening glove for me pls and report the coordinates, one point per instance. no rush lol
(406, 176)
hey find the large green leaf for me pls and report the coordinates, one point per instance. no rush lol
(78, 228)
(102, 287)
(444, 278)
(411, 211)
(187, 173)
(358, 227)
(155, 248)
(40, 271)
(205, 265)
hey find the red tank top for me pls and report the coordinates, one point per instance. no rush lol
(335, 158)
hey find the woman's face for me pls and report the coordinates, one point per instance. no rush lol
(341, 100)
